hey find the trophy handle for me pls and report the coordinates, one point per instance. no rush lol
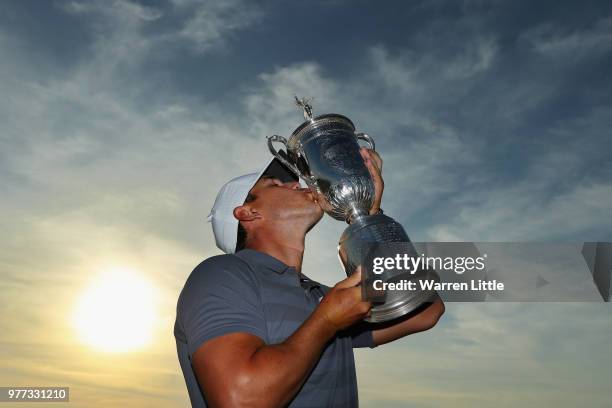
(367, 138)
(289, 165)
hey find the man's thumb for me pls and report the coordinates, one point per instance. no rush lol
(351, 281)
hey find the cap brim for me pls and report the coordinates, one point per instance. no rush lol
(278, 170)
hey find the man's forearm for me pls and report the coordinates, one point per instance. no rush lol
(425, 320)
(276, 372)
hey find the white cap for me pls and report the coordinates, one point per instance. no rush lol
(232, 195)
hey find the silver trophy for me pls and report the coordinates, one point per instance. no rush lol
(324, 152)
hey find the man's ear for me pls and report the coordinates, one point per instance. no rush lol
(246, 213)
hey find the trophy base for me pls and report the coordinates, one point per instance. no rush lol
(366, 237)
(392, 310)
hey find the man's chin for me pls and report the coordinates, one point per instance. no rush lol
(315, 219)
(318, 211)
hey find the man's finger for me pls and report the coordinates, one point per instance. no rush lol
(351, 281)
(365, 154)
(372, 164)
(371, 157)
(376, 159)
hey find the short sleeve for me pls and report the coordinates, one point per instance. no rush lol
(361, 335)
(221, 296)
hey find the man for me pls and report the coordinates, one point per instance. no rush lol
(251, 329)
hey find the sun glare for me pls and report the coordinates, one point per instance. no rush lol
(116, 312)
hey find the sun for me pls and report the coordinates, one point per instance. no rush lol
(116, 312)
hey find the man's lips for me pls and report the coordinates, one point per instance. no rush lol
(307, 191)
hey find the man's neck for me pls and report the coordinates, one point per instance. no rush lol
(287, 249)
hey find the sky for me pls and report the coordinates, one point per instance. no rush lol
(120, 120)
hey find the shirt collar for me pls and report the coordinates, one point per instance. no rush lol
(264, 259)
(275, 265)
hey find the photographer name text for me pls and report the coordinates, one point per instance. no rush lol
(473, 285)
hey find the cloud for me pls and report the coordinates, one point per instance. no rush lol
(124, 35)
(560, 195)
(559, 42)
(116, 9)
(270, 105)
(473, 57)
(211, 23)
(119, 39)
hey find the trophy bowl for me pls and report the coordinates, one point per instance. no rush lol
(324, 152)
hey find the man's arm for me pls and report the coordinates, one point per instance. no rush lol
(239, 369)
(426, 317)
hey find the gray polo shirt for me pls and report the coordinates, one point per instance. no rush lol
(256, 293)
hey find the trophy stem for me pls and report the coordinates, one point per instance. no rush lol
(356, 214)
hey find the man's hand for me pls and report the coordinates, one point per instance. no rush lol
(374, 164)
(342, 306)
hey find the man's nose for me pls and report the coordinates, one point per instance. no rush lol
(294, 185)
